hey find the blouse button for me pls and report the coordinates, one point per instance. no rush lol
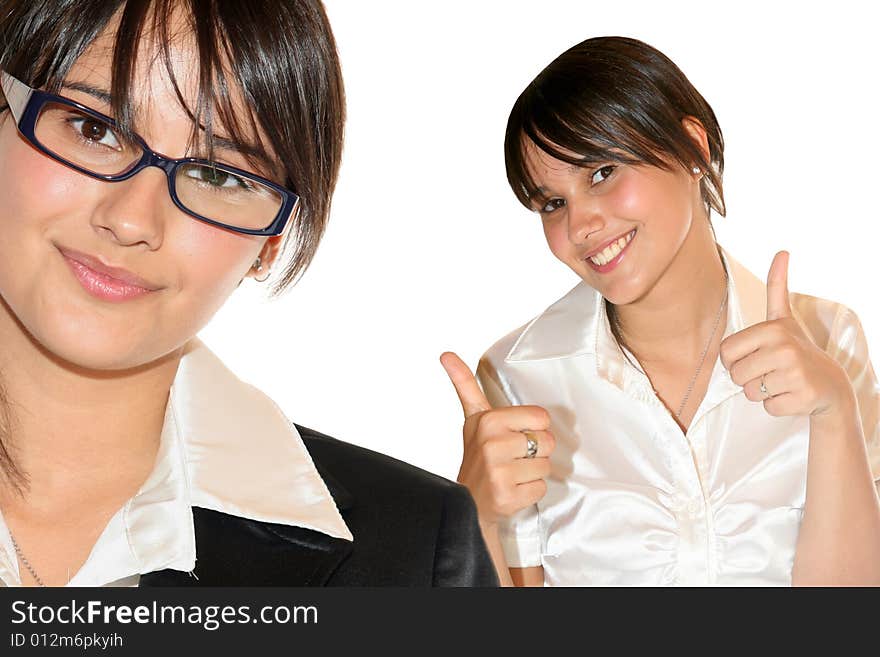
(694, 507)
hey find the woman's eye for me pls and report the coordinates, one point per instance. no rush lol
(601, 174)
(96, 132)
(552, 204)
(216, 178)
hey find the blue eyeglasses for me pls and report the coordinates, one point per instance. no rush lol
(91, 143)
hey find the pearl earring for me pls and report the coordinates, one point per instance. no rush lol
(696, 170)
(258, 266)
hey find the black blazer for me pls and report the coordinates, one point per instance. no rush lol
(410, 528)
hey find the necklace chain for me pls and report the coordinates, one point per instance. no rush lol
(27, 564)
(705, 351)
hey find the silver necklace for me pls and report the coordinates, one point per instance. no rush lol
(705, 351)
(27, 564)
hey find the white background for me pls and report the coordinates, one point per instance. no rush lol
(428, 250)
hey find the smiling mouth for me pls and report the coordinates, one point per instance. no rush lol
(611, 251)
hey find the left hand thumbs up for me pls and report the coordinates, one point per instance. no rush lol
(777, 364)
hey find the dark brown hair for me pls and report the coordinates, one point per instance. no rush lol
(279, 56)
(613, 99)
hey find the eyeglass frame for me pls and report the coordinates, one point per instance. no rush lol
(25, 104)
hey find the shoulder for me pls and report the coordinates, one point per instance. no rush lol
(832, 326)
(361, 470)
(495, 355)
(558, 331)
(410, 527)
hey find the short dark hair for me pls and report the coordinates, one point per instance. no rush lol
(281, 54)
(613, 99)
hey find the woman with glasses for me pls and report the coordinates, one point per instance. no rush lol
(673, 420)
(153, 154)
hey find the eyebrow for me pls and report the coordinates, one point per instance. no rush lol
(100, 94)
(221, 142)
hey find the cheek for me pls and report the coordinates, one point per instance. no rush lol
(211, 264)
(633, 198)
(38, 198)
(654, 199)
(32, 185)
(556, 234)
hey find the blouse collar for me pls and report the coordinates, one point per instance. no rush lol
(578, 324)
(243, 456)
(224, 446)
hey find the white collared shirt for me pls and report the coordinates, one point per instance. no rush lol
(631, 500)
(224, 446)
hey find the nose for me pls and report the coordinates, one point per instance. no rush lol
(584, 217)
(134, 211)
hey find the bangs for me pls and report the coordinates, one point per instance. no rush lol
(153, 19)
(269, 84)
(613, 100)
(214, 102)
(567, 131)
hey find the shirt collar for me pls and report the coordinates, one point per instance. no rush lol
(244, 457)
(227, 447)
(578, 324)
(224, 446)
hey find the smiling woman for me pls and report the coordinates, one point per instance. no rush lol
(153, 154)
(672, 420)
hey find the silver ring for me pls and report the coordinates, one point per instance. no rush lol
(531, 445)
(763, 387)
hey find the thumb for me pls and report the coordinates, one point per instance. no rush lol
(777, 287)
(469, 393)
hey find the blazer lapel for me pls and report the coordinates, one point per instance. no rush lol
(233, 551)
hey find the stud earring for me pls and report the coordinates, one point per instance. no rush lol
(696, 170)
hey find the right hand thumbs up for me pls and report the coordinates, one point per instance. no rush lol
(496, 467)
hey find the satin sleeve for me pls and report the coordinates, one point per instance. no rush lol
(520, 533)
(849, 347)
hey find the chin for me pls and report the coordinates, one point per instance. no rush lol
(618, 290)
(621, 297)
(94, 353)
(93, 343)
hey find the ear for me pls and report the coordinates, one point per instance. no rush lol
(272, 248)
(268, 255)
(697, 133)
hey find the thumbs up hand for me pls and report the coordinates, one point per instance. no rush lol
(777, 364)
(498, 469)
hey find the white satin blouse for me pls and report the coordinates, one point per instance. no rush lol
(631, 500)
(224, 446)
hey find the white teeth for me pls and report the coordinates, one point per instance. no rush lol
(612, 250)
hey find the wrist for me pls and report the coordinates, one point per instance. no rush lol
(840, 412)
(840, 401)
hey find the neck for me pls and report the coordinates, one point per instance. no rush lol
(75, 431)
(678, 312)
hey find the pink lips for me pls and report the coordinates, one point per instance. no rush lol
(611, 264)
(103, 281)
